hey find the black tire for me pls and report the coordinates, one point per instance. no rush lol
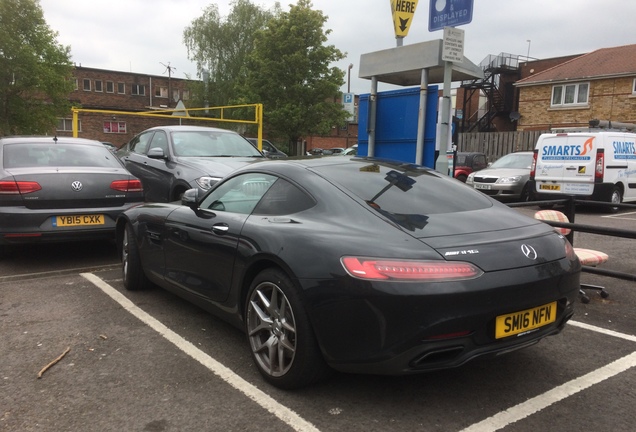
(281, 339)
(133, 273)
(525, 194)
(616, 197)
(461, 178)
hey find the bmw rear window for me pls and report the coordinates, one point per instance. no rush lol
(403, 189)
(27, 155)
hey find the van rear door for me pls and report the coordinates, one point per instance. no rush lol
(566, 163)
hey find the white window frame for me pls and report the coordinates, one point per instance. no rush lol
(99, 86)
(572, 89)
(86, 83)
(115, 127)
(138, 90)
(634, 87)
(161, 91)
(110, 87)
(121, 88)
(67, 125)
(186, 95)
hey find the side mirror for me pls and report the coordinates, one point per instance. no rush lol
(156, 153)
(190, 198)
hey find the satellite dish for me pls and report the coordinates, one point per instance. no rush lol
(514, 116)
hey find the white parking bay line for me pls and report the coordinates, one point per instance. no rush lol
(283, 413)
(536, 404)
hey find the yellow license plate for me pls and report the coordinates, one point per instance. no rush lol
(525, 320)
(550, 187)
(78, 220)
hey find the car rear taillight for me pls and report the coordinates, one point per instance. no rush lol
(127, 185)
(18, 187)
(533, 167)
(400, 270)
(599, 170)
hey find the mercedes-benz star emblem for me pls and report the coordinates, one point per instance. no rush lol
(529, 251)
(76, 186)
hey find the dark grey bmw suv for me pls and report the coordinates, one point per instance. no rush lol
(172, 159)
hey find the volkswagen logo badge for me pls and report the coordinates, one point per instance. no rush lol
(76, 186)
(529, 251)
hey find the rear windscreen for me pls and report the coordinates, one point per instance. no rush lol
(404, 189)
(26, 155)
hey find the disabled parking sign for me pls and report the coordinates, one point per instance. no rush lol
(449, 13)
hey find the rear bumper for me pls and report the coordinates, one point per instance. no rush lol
(19, 225)
(395, 330)
(601, 192)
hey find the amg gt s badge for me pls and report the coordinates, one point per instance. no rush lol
(462, 252)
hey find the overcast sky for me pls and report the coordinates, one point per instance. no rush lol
(144, 36)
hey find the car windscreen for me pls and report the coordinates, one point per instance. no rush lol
(403, 191)
(514, 161)
(29, 155)
(211, 144)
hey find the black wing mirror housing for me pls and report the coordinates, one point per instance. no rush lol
(190, 198)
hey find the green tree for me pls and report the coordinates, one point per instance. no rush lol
(290, 73)
(35, 71)
(220, 47)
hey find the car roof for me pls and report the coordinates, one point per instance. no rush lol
(187, 128)
(48, 140)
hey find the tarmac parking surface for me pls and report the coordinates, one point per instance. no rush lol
(149, 361)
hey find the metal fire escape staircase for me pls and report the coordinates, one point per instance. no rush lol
(498, 92)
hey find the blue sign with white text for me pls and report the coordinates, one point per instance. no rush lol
(449, 13)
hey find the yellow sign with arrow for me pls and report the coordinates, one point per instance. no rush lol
(402, 11)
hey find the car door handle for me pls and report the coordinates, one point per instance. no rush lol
(220, 228)
(571, 168)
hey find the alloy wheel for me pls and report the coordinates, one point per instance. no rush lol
(271, 329)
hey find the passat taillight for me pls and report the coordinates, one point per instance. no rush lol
(127, 185)
(18, 187)
(599, 170)
(403, 270)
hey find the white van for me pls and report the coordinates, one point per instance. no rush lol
(600, 166)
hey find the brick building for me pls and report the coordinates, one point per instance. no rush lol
(599, 85)
(101, 89)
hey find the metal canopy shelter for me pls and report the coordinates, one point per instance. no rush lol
(403, 65)
(411, 65)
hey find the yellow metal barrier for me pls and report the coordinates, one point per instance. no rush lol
(172, 114)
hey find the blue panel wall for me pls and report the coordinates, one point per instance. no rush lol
(396, 125)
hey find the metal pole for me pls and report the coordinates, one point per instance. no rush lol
(441, 164)
(373, 105)
(421, 119)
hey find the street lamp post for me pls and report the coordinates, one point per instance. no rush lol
(349, 78)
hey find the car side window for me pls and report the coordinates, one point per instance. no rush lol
(160, 140)
(480, 162)
(240, 194)
(283, 198)
(268, 147)
(139, 144)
